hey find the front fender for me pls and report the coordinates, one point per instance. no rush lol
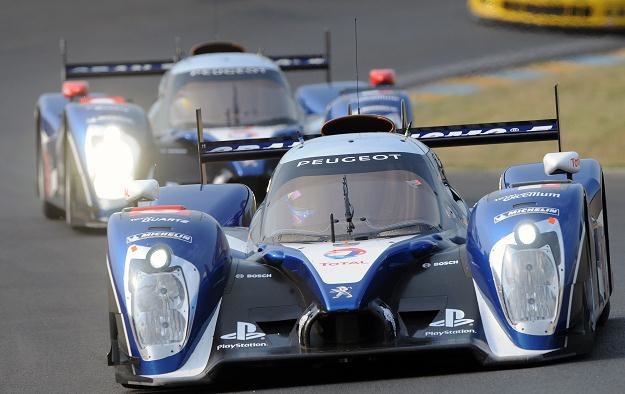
(200, 253)
(558, 211)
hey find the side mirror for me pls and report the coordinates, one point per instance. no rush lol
(145, 189)
(562, 162)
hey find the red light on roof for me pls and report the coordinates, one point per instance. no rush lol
(382, 76)
(102, 100)
(158, 208)
(75, 88)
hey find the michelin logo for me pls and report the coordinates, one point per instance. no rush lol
(525, 211)
(510, 197)
(159, 234)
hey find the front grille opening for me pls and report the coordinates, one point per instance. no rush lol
(417, 321)
(279, 327)
(346, 329)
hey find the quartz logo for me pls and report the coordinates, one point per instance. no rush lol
(453, 318)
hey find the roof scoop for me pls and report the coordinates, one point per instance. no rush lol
(358, 124)
(215, 47)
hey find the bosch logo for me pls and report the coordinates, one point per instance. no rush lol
(344, 253)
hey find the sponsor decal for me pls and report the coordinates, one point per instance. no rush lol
(159, 234)
(526, 211)
(467, 133)
(541, 186)
(245, 332)
(414, 183)
(210, 72)
(344, 253)
(237, 147)
(453, 318)
(450, 332)
(252, 276)
(151, 219)
(348, 159)
(341, 291)
(440, 263)
(239, 345)
(575, 162)
(342, 263)
(516, 196)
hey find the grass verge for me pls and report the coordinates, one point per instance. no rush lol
(592, 114)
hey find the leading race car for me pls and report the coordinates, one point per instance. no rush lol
(362, 248)
(89, 144)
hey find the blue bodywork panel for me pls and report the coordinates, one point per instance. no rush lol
(210, 200)
(314, 98)
(494, 217)
(589, 176)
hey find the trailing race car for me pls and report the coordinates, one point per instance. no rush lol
(362, 248)
(595, 14)
(325, 101)
(90, 145)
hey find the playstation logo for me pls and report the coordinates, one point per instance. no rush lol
(245, 332)
(453, 318)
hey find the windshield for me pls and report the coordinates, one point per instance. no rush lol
(230, 99)
(381, 196)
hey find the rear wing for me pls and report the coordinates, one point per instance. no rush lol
(434, 137)
(158, 67)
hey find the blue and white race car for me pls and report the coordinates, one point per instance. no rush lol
(90, 145)
(362, 249)
(322, 102)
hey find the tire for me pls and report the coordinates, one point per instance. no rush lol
(605, 315)
(70, 177)
(49, 211)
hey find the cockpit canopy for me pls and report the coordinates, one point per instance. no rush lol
(386, 193)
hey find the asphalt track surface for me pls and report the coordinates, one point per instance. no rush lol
(53, 323)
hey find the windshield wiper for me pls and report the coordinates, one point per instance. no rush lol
(423, 227)
(349, 209)
(297, 236)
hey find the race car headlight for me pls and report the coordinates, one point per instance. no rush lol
(528, 271)
(526, 233)
(111, 159)
(529, 285)
(159, 256)
(160, 312)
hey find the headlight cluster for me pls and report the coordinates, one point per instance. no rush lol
(160, 302)
(111, 159)
(528, 270)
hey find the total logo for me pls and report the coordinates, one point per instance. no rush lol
(344, 253)
(453, 318)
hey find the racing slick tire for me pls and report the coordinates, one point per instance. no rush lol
(49, 211)
(72, 189)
